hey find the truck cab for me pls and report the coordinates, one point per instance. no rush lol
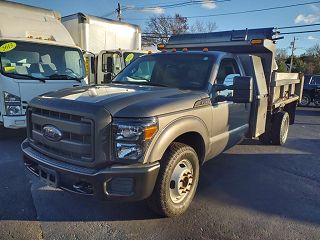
(37, 55)
(146, 134)
(110, 62)
(108, 45)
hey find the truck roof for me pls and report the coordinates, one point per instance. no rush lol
(85, 18)
(27, 23)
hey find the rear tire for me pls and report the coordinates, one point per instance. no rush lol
(265, 138)
(305, 101)
(177, 181)
(280, 128)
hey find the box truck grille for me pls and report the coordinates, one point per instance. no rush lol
(77, 142)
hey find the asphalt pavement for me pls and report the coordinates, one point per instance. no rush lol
(251, 191)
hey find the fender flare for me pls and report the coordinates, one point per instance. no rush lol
(172, 131)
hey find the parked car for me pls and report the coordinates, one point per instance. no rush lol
(311, 90)
(145, 135)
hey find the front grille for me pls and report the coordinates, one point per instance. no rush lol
(77, 143)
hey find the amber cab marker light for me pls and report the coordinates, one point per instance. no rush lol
(256, 41)
(185, 50)
(149, 132)
(163, 51)
(174, 50)
(149, 52)
(160, 46)
(205, 50)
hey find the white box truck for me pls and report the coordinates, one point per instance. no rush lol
(37, 55)
(109, 45)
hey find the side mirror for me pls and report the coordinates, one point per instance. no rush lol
(242, 89)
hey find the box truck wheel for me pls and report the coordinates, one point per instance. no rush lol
(280, 128)
(177, 181)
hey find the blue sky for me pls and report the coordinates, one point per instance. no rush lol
(274, 18)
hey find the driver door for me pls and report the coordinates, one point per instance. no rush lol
(109, 64)
(230, 120)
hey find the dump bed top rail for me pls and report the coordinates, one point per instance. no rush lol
(236, 41)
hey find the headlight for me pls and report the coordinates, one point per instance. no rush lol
(132, 137)
(12, 104)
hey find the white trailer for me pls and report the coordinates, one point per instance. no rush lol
(109, 45)
(37, 55)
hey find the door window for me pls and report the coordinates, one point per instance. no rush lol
(227, 71)
(316, 80)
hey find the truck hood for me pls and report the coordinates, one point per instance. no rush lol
(128, 100)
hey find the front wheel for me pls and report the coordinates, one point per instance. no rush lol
(177, 181)
(317, 101)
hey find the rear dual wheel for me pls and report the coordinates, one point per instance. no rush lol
(177, 181)
(278, 133)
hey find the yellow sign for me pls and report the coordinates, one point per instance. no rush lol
(86, 62)
(8, 47)
(129, 57)
(9, 69)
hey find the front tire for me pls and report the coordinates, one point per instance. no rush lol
(280, 128)
(177, 181)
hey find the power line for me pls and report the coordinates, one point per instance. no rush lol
(172, 5)
(300, 32)
(300, 26)
(243, 12)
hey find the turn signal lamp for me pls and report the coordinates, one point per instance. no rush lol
(149, 52)
(149, 132)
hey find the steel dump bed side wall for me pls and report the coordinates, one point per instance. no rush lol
(285, 88)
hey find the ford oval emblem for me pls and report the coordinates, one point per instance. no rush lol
(51, 133)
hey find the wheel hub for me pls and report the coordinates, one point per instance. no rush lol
(181, 181)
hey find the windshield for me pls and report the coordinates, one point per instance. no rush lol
(184, 71)
(25, 60)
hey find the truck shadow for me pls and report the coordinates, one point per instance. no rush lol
(279, 181)
(285, 185)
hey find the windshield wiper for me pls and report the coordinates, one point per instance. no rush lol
(26, 76)
(142, 83)
(64, 77)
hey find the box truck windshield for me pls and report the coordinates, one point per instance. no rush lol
(26, 60)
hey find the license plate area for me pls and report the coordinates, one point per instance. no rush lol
(48, 176)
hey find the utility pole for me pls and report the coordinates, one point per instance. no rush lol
(293, 46)
(119, 12)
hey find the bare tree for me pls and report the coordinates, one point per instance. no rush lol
(203, 27)
(160, 28)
